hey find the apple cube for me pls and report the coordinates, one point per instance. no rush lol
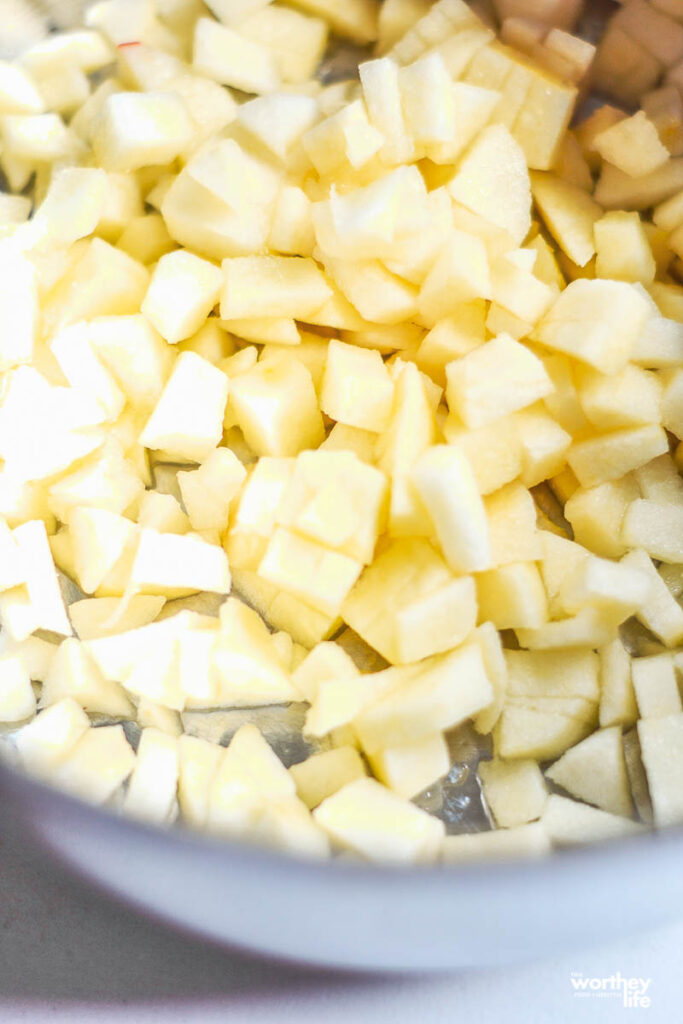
(460, 274)
(656, 527)
(515, 791)
(494, 379)
(427, 701)
(452, 337)
(408, 770)
(19, 300)
(671, 404)
(18, 92)
(151, 790)
(188, 417)
(408, 606)
(135, 130)
(276, 407)
(42, 585)
(660, 743)
(357, 389)
(48, 739)
(522, 841)
(291, 232)
(135, 354)
(617, 697)
(246, 662)
(38, 138)
(324, 774)
(632, 145)
(596, 515)
(513, 535)
(208, 491)
(198, 764)
(379, 825)
(611, 456)
(622, 248)
(618, 589)
(376, 294)
(628, 398)
(275, 286)
(105, 480)
(570, 823)
(225, 56)
(296, 42)
(474, 107)
(181, 294)
(445, 483)
(17, 700)
(166, 563)
(512, 596)
(492, 180)
(311, 572)
(335, 499)
(597, 322)
(655, 686)
(345, 137)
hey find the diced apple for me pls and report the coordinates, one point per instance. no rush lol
(324, 774)
(357, 389)
(379, 825)
(181, 294)
(227, 57)
(617, 697)
(97, 765)
(512, 596)
(408, 770)
(17, 700)
(632, 145)
(515, 791)
(660, 742)
(151, 790)
(570, 823)
(276, 407)
(51, 736)
(655, 686)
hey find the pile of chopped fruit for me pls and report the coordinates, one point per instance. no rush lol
(395, 362)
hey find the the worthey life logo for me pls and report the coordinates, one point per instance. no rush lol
(633, 992)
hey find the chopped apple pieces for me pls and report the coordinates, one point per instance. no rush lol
(350, 405)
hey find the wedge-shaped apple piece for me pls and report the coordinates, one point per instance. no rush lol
(632, 145)
(17, 700)
(36, 654)
(379, 825)
(325, 661)
(445, 483)
(208, 491)
(492, 180)
(428, 701)
(542, 729)
(248, 669)
(515, 791)
(570, 823)
(276, 407)
(660, 743)
(410, 769)
(94, 617)
(569, 214)
(480, 388)
(72, 673)
(49, 738)
(296, 41)
(151, 790)
(324, 774)
(661, 613)
(98, 539)
(595, 771)
(98, 764)
(18, 92)
(188, 418)
(628, 398)
(460, 274)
